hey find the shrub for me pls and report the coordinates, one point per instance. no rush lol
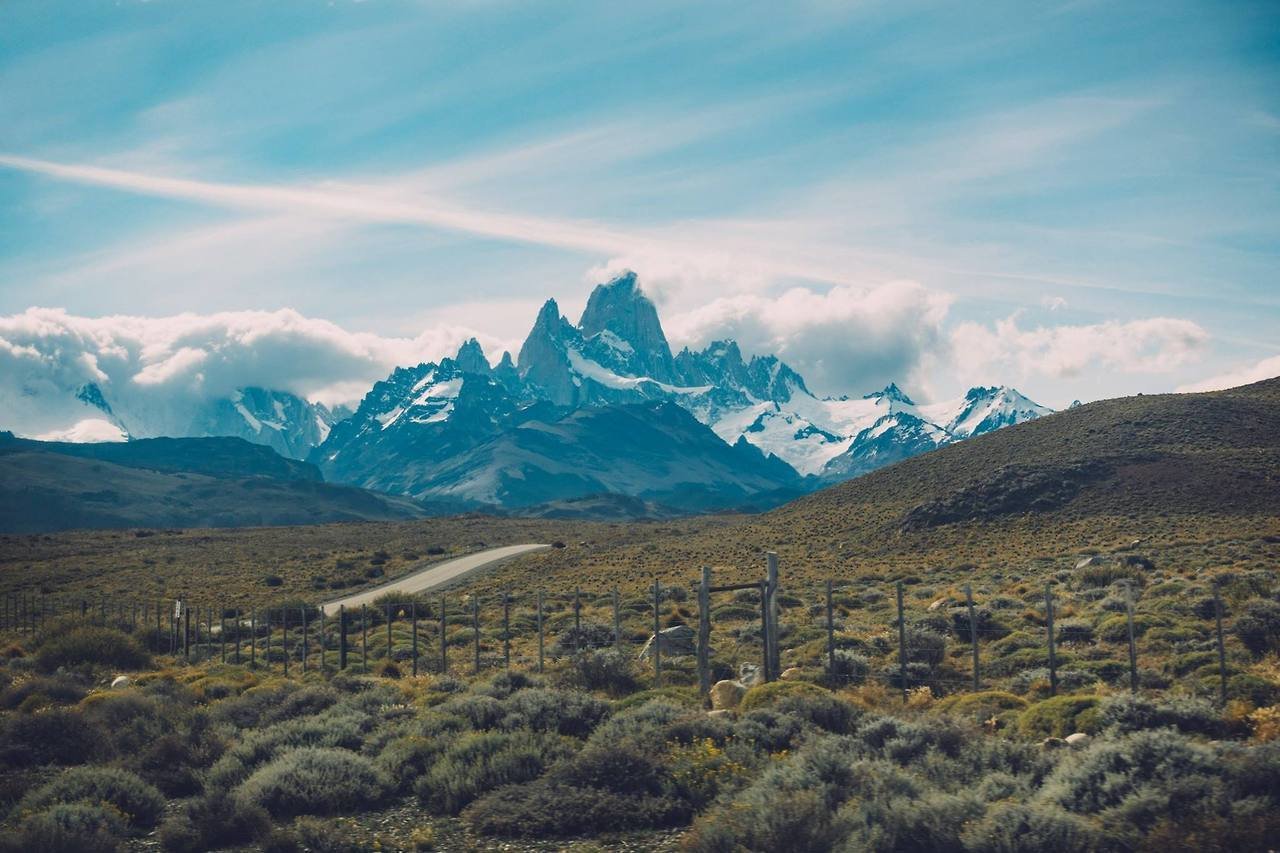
(566, 712)
(982, 706)
(90, 644)
(66, 827)
(1125, 713)
(56, 736)
(609, 671)
(1258, 627)
(483, 761)
(824, 710)
(926, 646)
(767, 694)
(544, 810)
(33, 693)
(850, 667)
(139, 803)
(589, 635)
(214, 821)
(931, 822)
(1020, 828)
(1073, 631)
(313, 780)
(1060, 716)
(1254, 689)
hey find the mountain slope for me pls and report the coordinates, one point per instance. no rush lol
(215, 482)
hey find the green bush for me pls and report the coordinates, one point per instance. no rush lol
(34, 693)
(1258, 627)
(826, 711)
(1060, 716)
(764, 695)
(482, 761)
(980, 707)
(139, 803)
(93, 645)
(213, 821)
(544, 810)
(1125, 713)
(568, 712)
(72, 828)
(1021, 828)
(313, 780)
(605, 670)
(56, 736)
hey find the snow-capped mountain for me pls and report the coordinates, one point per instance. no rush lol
(537, 428)
(284, 422)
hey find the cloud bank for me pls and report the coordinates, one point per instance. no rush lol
(1265, 369)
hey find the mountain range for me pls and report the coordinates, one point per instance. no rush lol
(601, 407)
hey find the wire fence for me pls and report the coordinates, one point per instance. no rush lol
(853, 632)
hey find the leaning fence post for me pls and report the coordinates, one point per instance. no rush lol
(1133, 648)
(1222, 649)
(541, 635)
(1053, 657)
(657, 645)
(902, 645)
(764, 630)
(475, 627)
(775, 653)
(831, 638)
(973, 634)
(506, 629)
(704, 634)
(444, 646)
(413, 621)
(364, 639)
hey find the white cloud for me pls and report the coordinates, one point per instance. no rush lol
(1053, 303)
(1151, 345)
(846, 339)
(89, 430)
(153, 368)
(1265, 369)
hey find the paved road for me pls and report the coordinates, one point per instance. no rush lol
(434, 576)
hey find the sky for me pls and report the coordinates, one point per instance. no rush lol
(1080, 199)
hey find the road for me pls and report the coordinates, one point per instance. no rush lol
(434, 576)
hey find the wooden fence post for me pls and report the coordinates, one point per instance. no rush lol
(266, 653)
(506, 629)
(617, 624)
(1222, 649)
(413, 621)
(364, 639)
(902, 645)
(541, 635)
(704, 634)
(284, 638)
(390, 615)
(577, 620)
(237, 655)
(342, 636)
(831, 638)
(324, 640)
(764, 630)
(253, 637)
(973, 635)
(222, 632)
(657, 636)
(775, 653)
(306, 647)
(1133, 647)
(1053, 656)
(444, 646)
(475, 627)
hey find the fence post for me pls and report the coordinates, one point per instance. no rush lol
(1222, 649)
(1133, 648)
(617, 624)
(973, 634)
(506, 629)
(444, 646)
(1053, 657)
(266, 652)
(306, 642)
(475, 627)
(704, 634)
(364, 639)
(657, 636)
(413, 622)
(237, 655)
(342, 636)
(284, 638)
(775, 653)
(902, 645)
(764, 630)
(577, 620)
(390, 615)
(831, 639)
(541, 636)
(253, 637)
(324, 640)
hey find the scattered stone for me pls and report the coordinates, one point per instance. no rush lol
(749, 674)
(727, 694)
(791, 673)
(1079, 740)
(1052, 743)
(672, 642)
(120, 682)
(937, 605)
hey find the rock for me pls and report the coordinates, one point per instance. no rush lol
(749, 674)
(120, 682)
(1079, 740)
(1095, 560)
(672, 642)
(791, 673)
(727, 694)
(937, 605)
(1052, 743)
(720, 713)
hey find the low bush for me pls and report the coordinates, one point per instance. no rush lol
(544, 810)
(91, 645)
(69, 828)
(824, 710)
(483, 761)
(33, 693)
(767, 694)
(1258, 627)
(1125, 713)
(606, 670)
(980, 707)
(588, 635)
(1060, 716)
(56, 736)
(139, 803)
(214, 821)
(567, 712)
(1020, 828)
(313, 780)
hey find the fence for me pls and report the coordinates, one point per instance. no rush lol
(420, 632)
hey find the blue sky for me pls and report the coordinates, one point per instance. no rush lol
(1081, 199)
